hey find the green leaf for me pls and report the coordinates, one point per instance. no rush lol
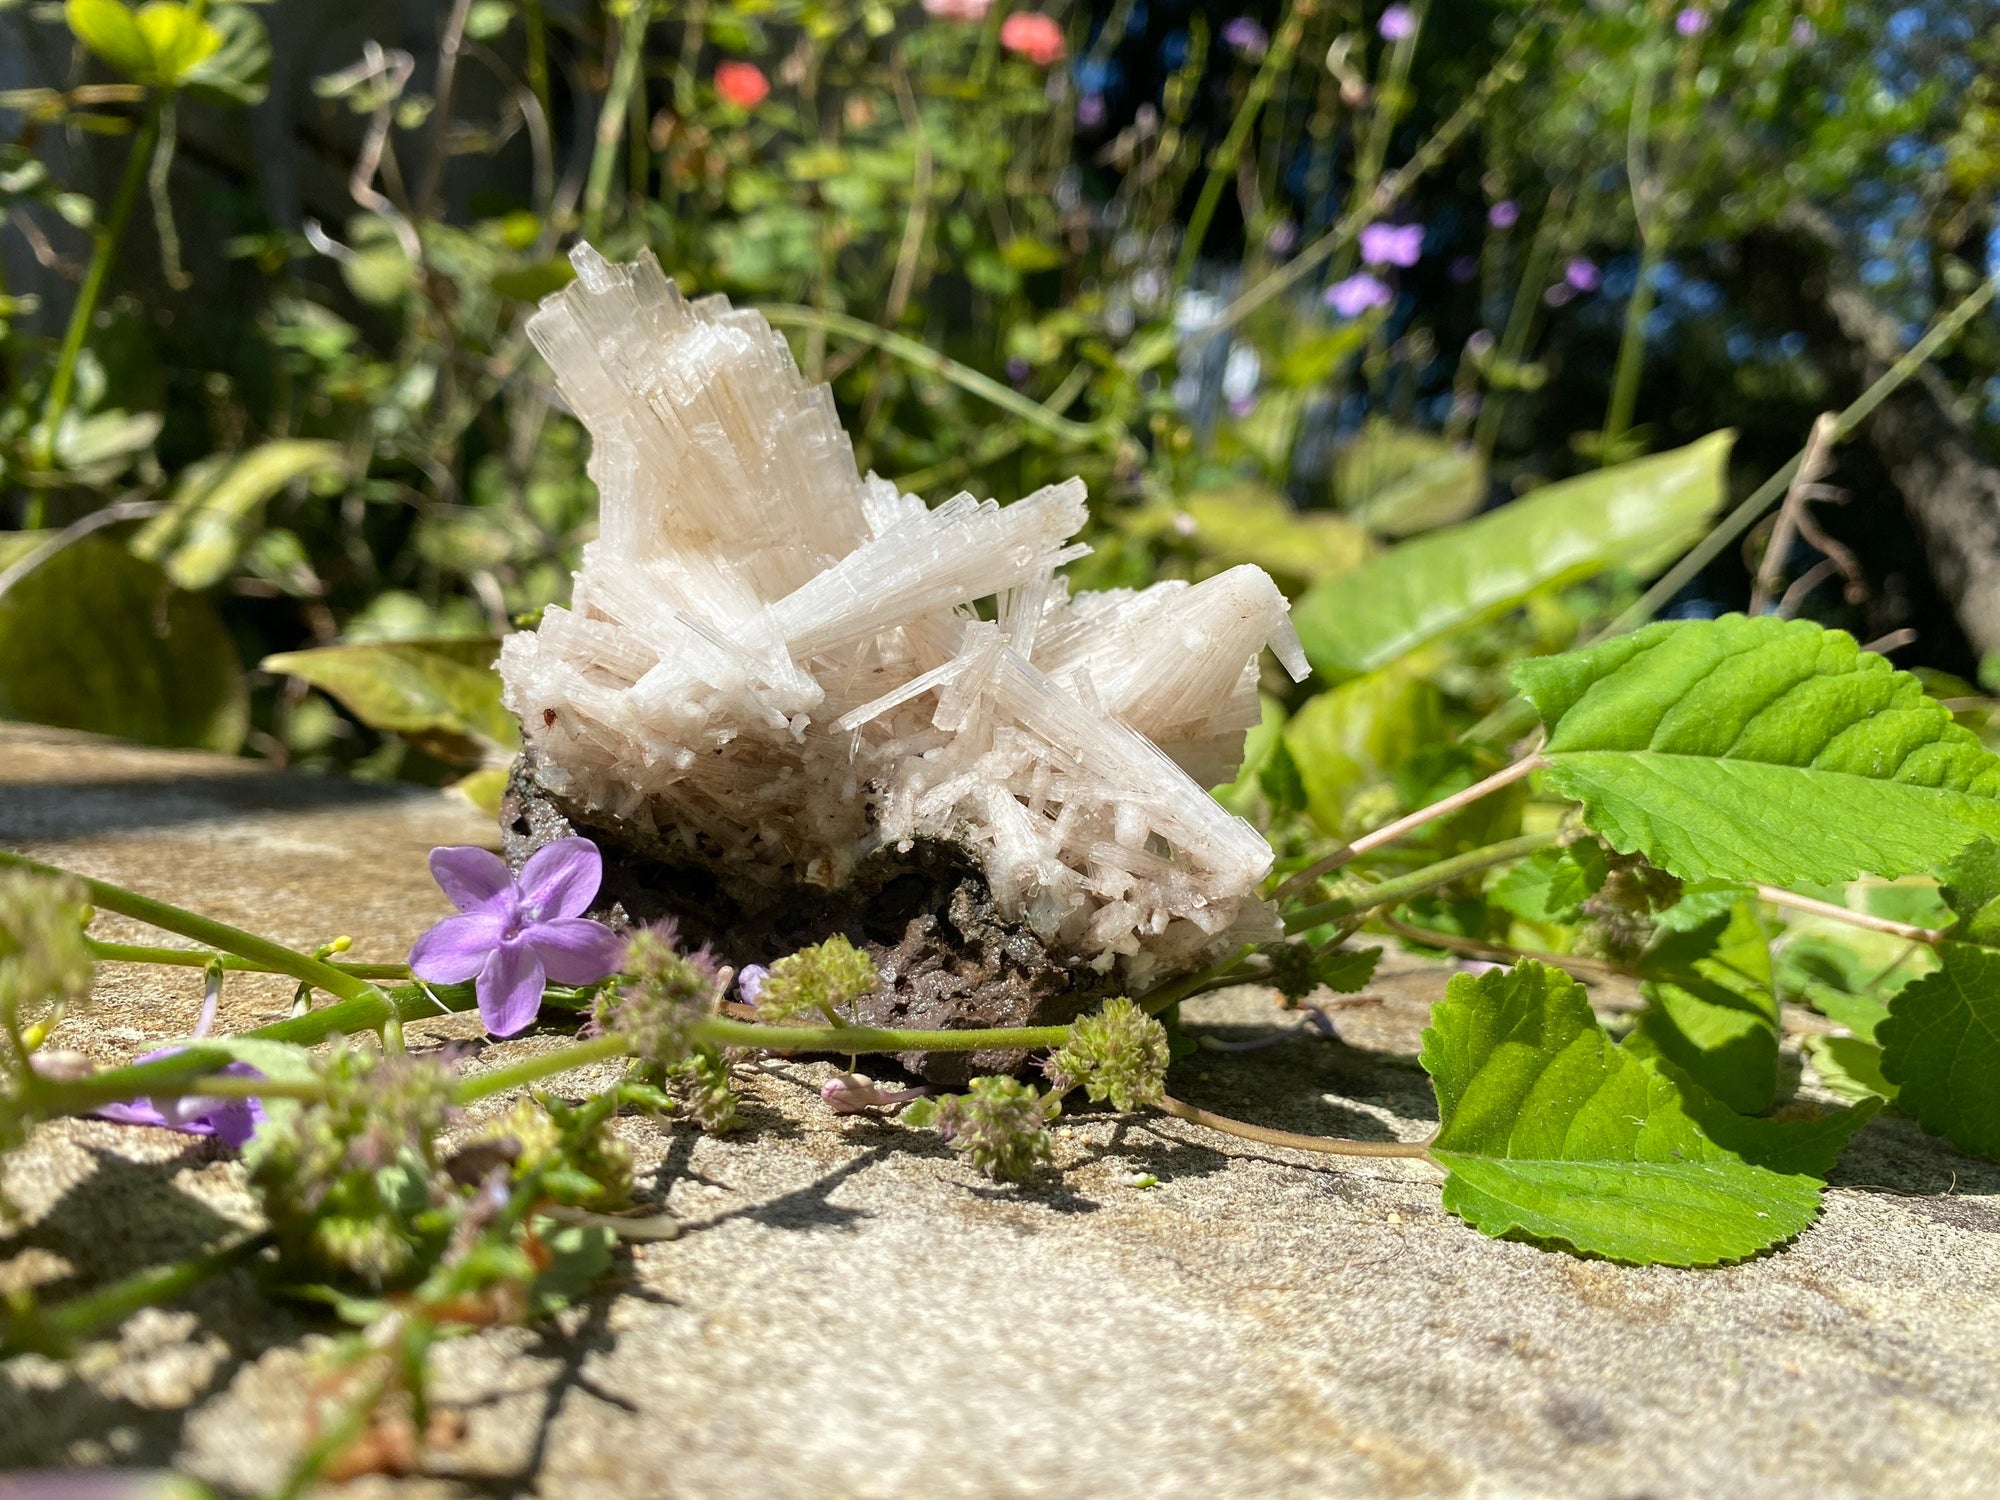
(1398, 480)
(1551, 886)
(1637, 515)
(1552, 1131)
(443, 694)
(94, 638)
(1972, 890)
(1352, 738)
(238, 73)
(213, 510)
(1850, 1067)
(1245, 795)
(177, 40)
(1346, 971)
(1763, 751)
(1250, 523)
(1710, 1010)
(1800, 1140)
(110, 30)
(1941, 1048)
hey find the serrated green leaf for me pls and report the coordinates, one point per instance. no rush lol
(1762, 751)
(1552, 1131)
(1552, 885)
(213, 509)
(442, 694)
(1941, 1048)
(1710, 1010)
(94, 638)
(1972, 890)
(1803, 1141)
(1634, 515)
(1346, 971)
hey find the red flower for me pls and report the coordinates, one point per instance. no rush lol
(742, 83)
(1035, 36)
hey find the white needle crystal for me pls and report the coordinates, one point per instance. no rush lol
(775, 668)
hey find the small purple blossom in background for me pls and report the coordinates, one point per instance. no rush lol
(1090, 112)
(1398, 24)
(1283, 237)
(1504, 215)
(852, 1094)
(1354, 296)
(1018, 369)
(750, 982)
(515, 934)
(1582, 274)
(1392, 244)
(1804, 34)
(1464, 268)
(1246, 37)
(1692, 21)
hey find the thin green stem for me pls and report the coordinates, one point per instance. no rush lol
(29, 1330)
(547, 1065)
(1768, 493)
(1521, 318)
(196, 958)
(1418, 882)
(923, 357)
(1324, 1145)
(1631, 352)
(1390, 97)
(103, 252)
(611, 117)
(1223, 162)
(218, 935)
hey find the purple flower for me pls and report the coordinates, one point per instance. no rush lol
(231, 1121)
(1692, 21)
(1246, 36)
(1354, 296)
(1582, 274)
(1505, 214)
(1803, 32)
(1090, 112)
(1392, 244)
(1398, 24)
(750, 982)
(516, 934)
(1464, 268)
(1283, 238)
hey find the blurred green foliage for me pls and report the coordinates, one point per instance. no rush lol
(279, 488)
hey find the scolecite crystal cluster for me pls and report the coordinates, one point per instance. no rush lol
(778, 706)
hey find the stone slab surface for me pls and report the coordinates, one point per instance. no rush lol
(852, 1312)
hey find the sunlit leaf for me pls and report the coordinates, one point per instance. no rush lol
(1397, 480)
(94, 638)
(1635, 516)
(1249, 523)
(1354, 736)
(1552, 1131)
(443, 694)
(213, 512)
(1710, 1010)
(1760, 750)
(1941, 1048)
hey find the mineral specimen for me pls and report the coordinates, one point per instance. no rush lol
(776, 703)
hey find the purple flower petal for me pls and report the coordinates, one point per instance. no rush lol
(561, 879)
(231, 1121)
(510, 987)
(576, 950)
(456, 949)
(1358, 293)
(1398, 24)
(750, 982)
(469, 877)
